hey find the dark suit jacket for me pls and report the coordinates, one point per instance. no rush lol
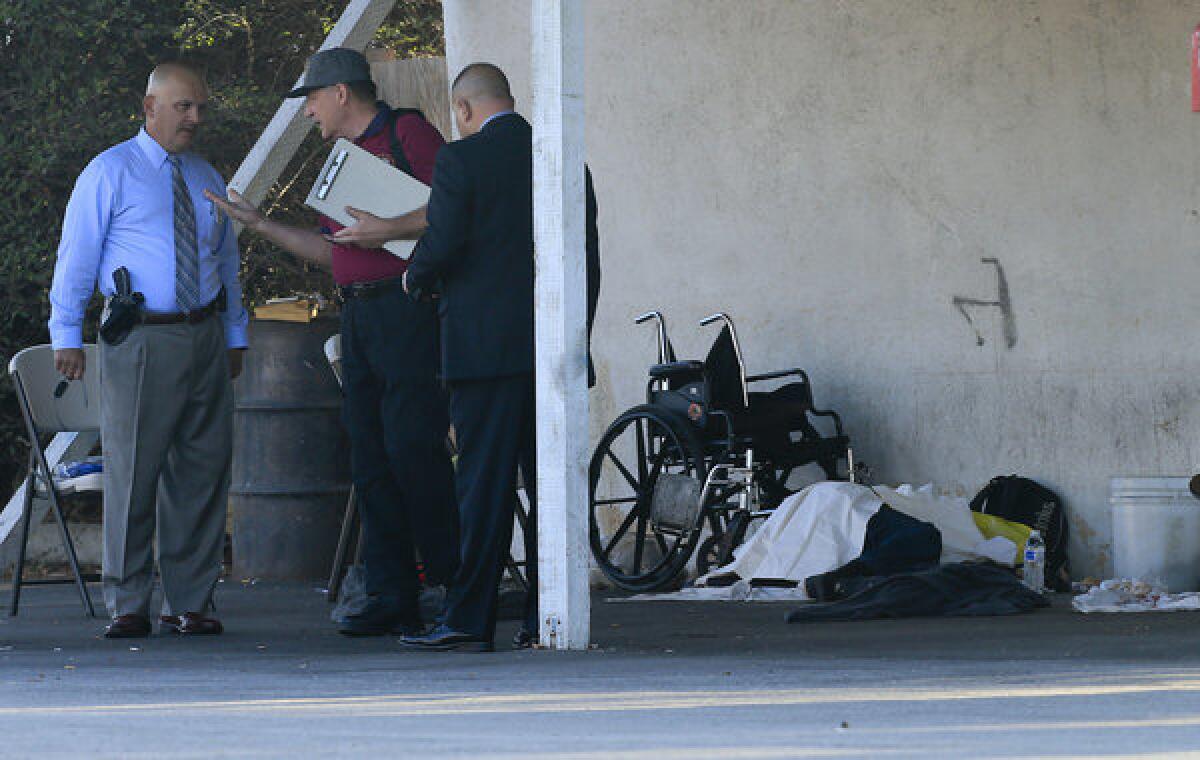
(478, 252)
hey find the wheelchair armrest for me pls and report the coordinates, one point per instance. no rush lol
(837, 419)
(676, 369)
(775, 375)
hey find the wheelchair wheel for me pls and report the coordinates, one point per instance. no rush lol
(717, 550)
(708, 556)
(639, 545)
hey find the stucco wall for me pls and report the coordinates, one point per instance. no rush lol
(832, 174)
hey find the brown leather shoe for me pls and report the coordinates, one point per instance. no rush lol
(191, 624)
(128, 627)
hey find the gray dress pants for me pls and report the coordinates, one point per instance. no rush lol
(167, 433)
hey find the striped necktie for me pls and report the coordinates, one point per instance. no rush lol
(187, 260)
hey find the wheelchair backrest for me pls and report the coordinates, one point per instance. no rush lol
(723, 371)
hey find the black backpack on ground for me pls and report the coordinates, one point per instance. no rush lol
(1022, 500)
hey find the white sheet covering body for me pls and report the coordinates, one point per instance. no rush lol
(813, 531)
(824, 526)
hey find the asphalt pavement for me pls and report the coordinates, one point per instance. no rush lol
(664, 680)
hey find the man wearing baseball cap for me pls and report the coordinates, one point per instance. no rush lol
(395, 410)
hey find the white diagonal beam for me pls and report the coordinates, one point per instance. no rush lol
(561, 323)
(286, 130)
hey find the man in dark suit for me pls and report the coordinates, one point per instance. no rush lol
(477, 256)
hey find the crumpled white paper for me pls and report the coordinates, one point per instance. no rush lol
(1126, 595)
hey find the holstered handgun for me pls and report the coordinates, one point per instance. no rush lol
(124, 310)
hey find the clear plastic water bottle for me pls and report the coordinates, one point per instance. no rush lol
(1035, 562)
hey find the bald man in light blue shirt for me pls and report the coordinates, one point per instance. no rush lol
(120, 210)
(166, 401)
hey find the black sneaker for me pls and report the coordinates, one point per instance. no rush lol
(379, 618)
(524, 639)
(446, 639)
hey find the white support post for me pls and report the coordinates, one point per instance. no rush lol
(561, 323)
(286, 130)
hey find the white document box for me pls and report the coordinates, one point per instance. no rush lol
(355, 177)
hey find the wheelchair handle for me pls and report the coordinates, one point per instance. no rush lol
(721, 316)
(662, 331)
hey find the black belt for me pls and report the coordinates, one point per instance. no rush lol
(190, 317)
(371, 289)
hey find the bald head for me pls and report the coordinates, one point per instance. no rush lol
(172, 72)
(479, 91)
(482, 80)
(175, 105)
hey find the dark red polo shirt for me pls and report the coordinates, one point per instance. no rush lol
(420, 142)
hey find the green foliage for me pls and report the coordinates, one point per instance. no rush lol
(71, 82)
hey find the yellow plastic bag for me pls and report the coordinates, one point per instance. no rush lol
(991, 526)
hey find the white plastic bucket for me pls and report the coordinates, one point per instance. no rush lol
(1156, 531)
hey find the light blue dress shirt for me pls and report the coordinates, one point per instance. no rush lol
(122, 214)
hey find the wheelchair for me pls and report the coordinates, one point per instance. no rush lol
(704, 454)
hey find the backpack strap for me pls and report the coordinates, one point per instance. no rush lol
(398, 158)
(986, 493)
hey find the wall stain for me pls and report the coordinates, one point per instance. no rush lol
(1003, 302)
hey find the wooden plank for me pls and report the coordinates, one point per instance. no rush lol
(561, 317)
(64, 447)
(416, 83)
(287, 129)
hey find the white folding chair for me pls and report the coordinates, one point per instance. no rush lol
(50, 404)
(350, 521)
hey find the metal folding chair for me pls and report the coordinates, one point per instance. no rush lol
(50, 404)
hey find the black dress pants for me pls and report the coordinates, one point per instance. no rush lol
(397, 419)
(494, 424)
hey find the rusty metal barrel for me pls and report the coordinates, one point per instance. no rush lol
(291, 471)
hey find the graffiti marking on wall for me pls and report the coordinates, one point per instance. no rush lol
(1002, 302)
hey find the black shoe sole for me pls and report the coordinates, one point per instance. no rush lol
(458, 646)
(176, 631)
(361, 634)
(400, 629)
(145, 635)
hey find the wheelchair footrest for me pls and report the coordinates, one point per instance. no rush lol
(676, 502)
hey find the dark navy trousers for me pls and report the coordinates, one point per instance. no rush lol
(397, 418)
(494, 425)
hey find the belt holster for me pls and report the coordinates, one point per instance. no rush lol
(124, 310)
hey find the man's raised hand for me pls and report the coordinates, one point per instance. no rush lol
(239, 209)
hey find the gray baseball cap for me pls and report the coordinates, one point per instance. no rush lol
(330, 67)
